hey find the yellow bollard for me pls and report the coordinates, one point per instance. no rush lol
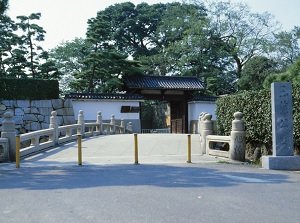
(189, 149)
(136, 160)
(79, 150)
(18, 145)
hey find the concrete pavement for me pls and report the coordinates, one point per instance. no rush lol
(50, 187)
(119, 149)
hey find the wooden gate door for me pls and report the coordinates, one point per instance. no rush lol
(177, 126)
(178, 117)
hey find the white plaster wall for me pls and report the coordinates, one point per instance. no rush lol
(108, 108)
(196, 107)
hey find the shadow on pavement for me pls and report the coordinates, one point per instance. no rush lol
(89, 176)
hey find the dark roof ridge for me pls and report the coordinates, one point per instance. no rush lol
(160, 76)
(110, 96)
(164, 82)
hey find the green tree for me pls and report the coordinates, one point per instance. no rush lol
(16, 64)
(175, 48)
(91, 76)
(133, 27)
(255, 72)
(170, 39)
(3, 7)
(239, 32)
(291, 75)
(220, 83)
(190, 50)
(67, 57)
(103, 65)
(8, 39)
(177, 19)
(32, 34)
(286, 48)
(48, 69)
(20, 55)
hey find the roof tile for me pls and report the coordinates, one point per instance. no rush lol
(109, 96)
(164, 82)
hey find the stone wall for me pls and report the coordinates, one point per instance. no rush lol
(35, 115)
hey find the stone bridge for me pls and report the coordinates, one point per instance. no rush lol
(119, 149)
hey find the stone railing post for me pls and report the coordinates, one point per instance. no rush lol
(9, 132)
(206, 129)
(200, 120)
(129, 127)
(194, 129)
(4, 150)
(113, 123)
(81, 122)
(99, 120)
(237, 138)
(122, 125)
(54, 124)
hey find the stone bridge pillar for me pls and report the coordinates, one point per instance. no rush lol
(113, 124)
(9, 132)
(238, 138)
(81, 122)
(54, 125)
(99, 120)
(206, 129)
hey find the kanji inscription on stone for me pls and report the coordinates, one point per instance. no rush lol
(282, 119)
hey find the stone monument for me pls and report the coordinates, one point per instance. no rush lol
(282, 130)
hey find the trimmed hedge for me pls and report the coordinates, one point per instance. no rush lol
(28, 89)
(256, 107)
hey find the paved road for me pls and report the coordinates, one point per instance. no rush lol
(119, 149)
(52, 188)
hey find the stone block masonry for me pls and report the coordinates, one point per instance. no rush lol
(32, 115)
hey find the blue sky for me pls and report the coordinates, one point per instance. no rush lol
(66, 19)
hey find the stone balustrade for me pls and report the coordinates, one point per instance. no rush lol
(3, 149)
(36, 141)
(236, 140)
(35, 144)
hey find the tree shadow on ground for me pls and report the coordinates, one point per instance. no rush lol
(70, 176)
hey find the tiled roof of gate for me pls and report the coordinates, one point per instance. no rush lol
(164, 82)
(109, 96)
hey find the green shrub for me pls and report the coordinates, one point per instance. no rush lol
(256, 107)
(296, 113)
(28, 89)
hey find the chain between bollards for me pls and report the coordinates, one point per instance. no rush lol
(189, 160)
(18, 145)
(79, 150)
(136, 152)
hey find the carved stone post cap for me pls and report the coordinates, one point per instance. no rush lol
(99, 113)
(54, 113)
(238, 115)
(81, 112)
(207, 117)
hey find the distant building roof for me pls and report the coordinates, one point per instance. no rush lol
(164, 82)
(109, 96)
